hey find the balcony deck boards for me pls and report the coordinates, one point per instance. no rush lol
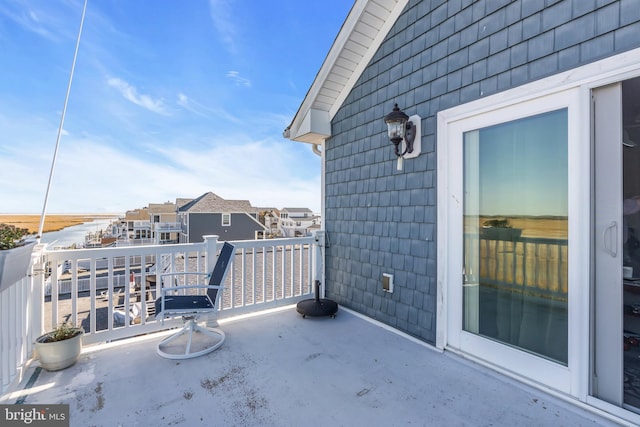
(278, 369)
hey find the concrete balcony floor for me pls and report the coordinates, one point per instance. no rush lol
(278, 369)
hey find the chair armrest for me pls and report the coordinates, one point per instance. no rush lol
(184, 272)
(175, 288)
(163, 288)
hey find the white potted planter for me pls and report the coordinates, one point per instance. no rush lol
(60, 348)
(14, 263)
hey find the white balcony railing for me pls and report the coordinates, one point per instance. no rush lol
(167, 226)
(142, 225)
(18, 330)
(93, 289)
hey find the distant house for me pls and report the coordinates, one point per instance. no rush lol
(155, 224)
(165, 227)
(138, 226)
(210, 214)
(269, 217)
(297, 222)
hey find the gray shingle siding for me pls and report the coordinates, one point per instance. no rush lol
(438, 55)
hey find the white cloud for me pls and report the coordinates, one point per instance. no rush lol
(198, 108)
(190, 105)
(238, 79)
(183, 99)
(110, 160)
(49, 20)
(259, 171)
(28, 20)
(130, 93)
(92, 175)
(223, 22)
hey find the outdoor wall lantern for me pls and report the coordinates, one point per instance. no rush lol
(402, 132)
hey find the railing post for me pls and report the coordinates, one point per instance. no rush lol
(38, 262)
(318, 259)
(211, 246)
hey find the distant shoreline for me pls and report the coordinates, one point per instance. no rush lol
(52, 222)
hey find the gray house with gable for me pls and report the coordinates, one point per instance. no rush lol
(211, 214)
(509, 230)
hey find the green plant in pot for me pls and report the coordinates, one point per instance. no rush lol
(60, 348)
(11, 236)
(16, 246)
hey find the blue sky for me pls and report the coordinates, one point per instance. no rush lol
(523, 166)
(169, 99)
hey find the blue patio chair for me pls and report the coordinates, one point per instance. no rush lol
(191, 306)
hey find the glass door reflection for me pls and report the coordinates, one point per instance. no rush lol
(515, 234)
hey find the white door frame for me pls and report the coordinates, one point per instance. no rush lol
(608, 361)
(552, 374)
(578, 83)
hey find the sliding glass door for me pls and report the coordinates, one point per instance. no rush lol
(515, 234)
(508, 214)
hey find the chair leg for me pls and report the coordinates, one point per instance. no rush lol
(189, 328)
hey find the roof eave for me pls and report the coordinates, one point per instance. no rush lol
(312, 122)
(314, 127)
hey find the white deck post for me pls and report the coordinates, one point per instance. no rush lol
(211, 245)
(36, 325)
(318, 260)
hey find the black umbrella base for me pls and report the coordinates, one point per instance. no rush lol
(317, 307)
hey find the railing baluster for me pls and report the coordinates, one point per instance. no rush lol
(92, 296)
(495, 256)
(110, 294)
(143, 289)
(560, 278)
(525, 270)
(7, 311)
(284, 269)
(300, 271)
(264, 274)
(11, 325)
(253, 276)
(54, 296)
(311, 266)
(514, 263)
(243, 281)
(74, 292)
(127, 302)
(292, 274)
(21, 321)
(298, 288)
(273, 273)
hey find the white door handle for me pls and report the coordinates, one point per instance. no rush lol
(610, 239)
